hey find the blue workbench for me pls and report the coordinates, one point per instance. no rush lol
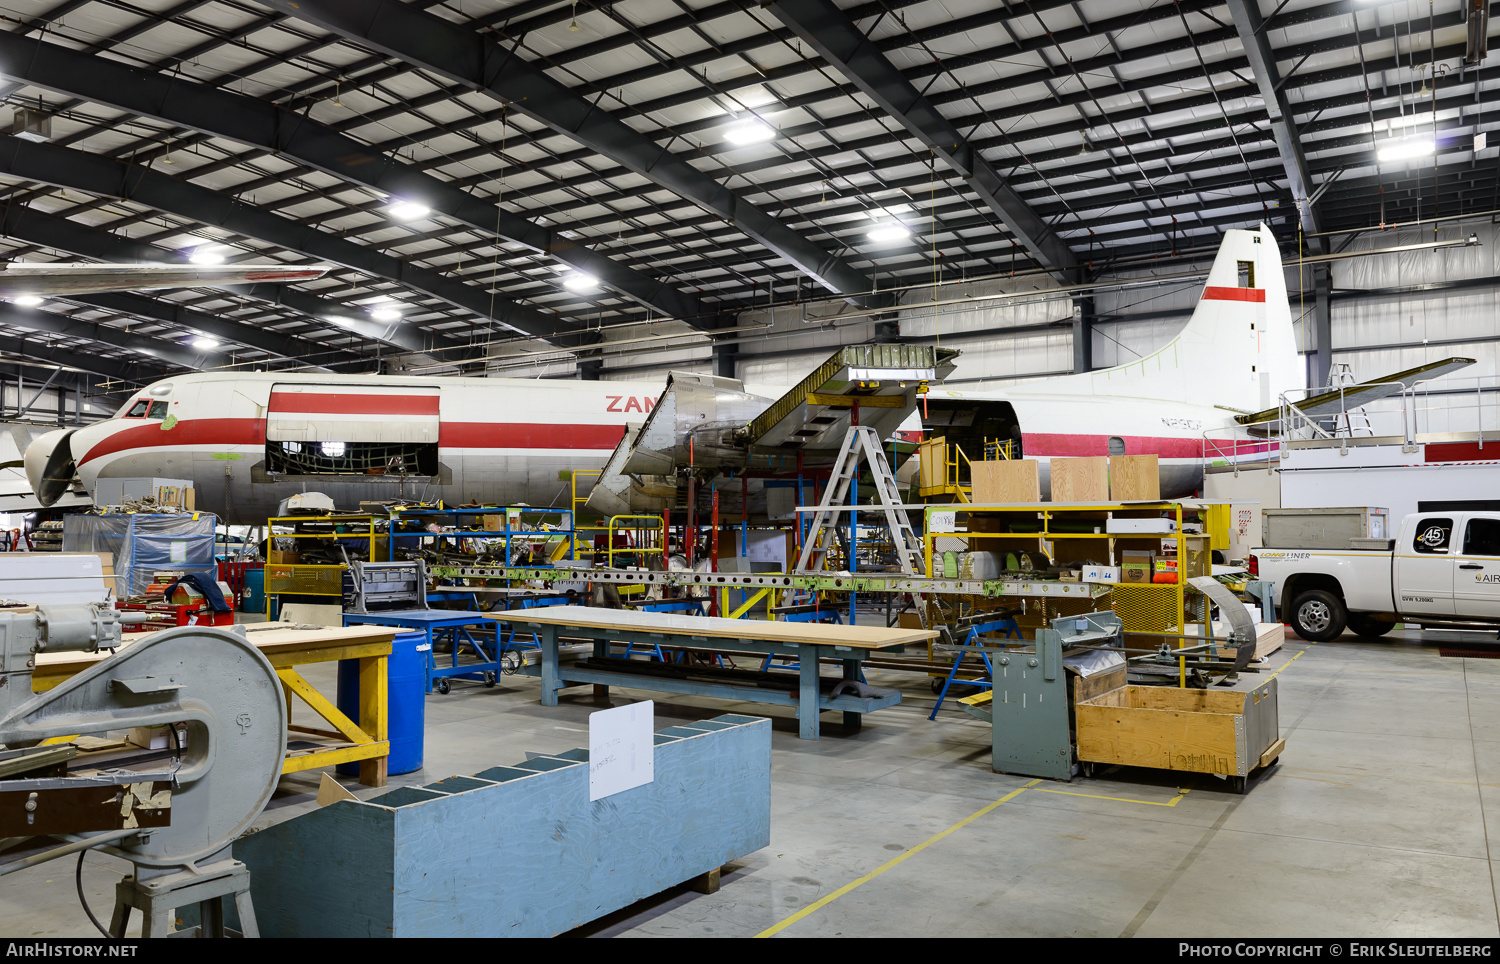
(435, 623)
(810, 642)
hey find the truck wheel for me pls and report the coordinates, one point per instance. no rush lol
(1368, 627)
(1318, 615)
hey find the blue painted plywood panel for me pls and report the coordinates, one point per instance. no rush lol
(529, 857)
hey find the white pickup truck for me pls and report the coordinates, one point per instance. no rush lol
(1442, 569)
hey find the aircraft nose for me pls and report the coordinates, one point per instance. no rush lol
(49, 465)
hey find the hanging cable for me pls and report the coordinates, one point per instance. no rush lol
(78, 883)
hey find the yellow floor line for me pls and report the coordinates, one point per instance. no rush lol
(1286, 664)
(1099, 796)
(825, 901)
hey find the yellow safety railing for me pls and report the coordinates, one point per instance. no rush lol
(638, 527)
(996, 449)
(581, 547)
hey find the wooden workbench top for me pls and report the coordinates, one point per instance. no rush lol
(273, 640)
(672, 624)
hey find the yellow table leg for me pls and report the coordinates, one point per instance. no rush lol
(374, 715)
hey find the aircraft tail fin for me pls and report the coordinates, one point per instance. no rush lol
(1238, 351)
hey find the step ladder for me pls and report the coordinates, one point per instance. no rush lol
(862, 442)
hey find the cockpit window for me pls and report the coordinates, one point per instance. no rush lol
(146, 408)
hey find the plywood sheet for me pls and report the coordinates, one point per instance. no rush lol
(1134, 478)
(931, 454)
(707, 627)
(1005, 482)
(271, 641)
(1080, 480)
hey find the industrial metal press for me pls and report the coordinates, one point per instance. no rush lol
(175, 812)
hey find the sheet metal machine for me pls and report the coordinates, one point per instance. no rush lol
(1029, 704)
(174, 813)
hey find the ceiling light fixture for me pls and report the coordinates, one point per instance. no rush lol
(888, 233)
(205, 343)
(409, 210)
(207, 254)
(385, 314)
(580, 282)
(749, 131)
(1406, 150)
(26, 301)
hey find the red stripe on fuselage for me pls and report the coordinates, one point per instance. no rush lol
(1071, 446)
(513, 435)
(1234, 294)
(203, 431)
(252, 431)
(318, 403)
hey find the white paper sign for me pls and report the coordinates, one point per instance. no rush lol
(622, 751)
(943, 521)
(177, 552)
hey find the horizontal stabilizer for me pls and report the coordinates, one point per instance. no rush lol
(1339, 400)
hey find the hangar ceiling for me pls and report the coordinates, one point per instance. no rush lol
(488, 173)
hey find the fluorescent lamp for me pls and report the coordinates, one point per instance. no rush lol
(749, 132)
(888, 233)
(206, 254)
(26, 301)
(580, 282)
(385, 314)
(205, 343)
(1406, 150)
(409, 210)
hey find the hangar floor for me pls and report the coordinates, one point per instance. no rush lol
(1375, 823)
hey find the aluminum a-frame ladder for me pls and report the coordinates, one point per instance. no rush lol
(861, 442)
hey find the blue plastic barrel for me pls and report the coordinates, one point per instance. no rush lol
(253, 596)
(406, 701)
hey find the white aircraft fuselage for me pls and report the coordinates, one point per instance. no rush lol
(249, 440)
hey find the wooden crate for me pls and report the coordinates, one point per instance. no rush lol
(1134, 478)
(1080, 480)
(1201, 731)
(1005, 482)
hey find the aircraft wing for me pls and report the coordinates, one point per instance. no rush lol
(43, 280)
(1362, 393)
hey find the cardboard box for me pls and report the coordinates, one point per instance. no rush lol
(1136, 566)
(1102, 574)
(283, 557)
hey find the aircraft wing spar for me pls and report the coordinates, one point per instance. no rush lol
(18, 279)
